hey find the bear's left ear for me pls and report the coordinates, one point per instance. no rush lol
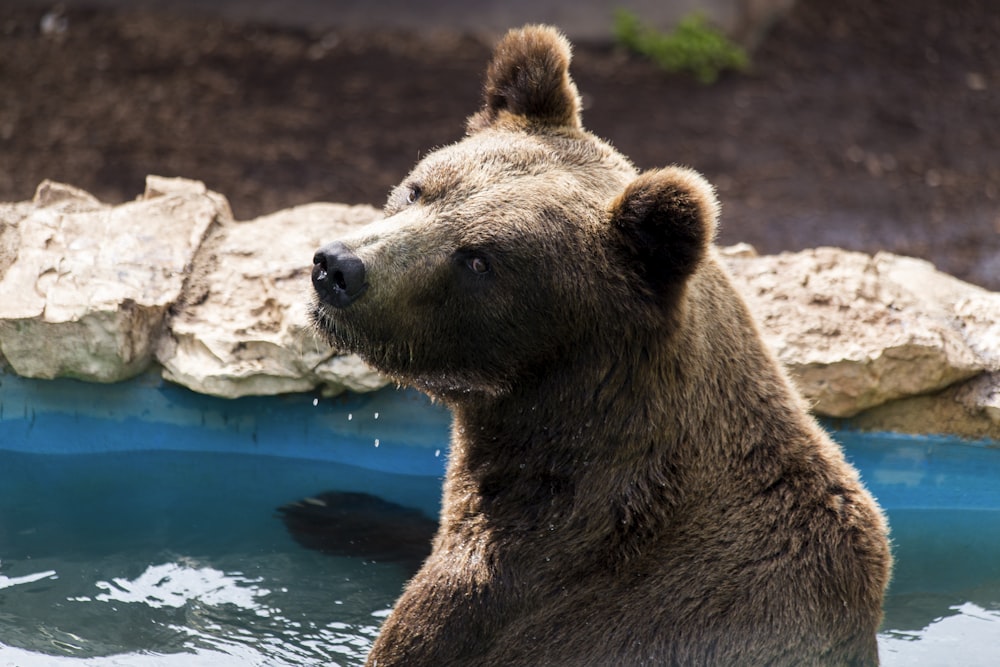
(528, 80)
(665, 221)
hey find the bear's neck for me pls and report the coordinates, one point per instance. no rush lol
(616, 448)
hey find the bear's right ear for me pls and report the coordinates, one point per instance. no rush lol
(528, 82)
(665, 222)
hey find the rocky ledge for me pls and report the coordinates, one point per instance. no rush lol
(101, 293)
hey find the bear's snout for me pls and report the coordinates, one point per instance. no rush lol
(338, 275)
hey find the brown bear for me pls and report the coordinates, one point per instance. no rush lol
(632, 479)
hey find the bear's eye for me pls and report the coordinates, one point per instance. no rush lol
(477, 264)
(473, 261)
(413, 194)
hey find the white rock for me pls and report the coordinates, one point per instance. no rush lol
(856, 331)
(86, 286)
(244, 327)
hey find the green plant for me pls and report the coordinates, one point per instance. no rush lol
(694, 46)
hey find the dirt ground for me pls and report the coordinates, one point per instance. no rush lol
(866, 125)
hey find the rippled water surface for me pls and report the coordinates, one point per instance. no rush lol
(944, 602)
(943, 501)
(178, 558)
(165, 558)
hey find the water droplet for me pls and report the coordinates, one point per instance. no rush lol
(437, 452)
(376, 415)
(315, 402)
(376, 442)
(350, 416)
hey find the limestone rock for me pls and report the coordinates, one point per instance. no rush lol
(243, 328)
(86, 286)
(857, 331)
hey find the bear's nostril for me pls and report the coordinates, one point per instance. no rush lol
(338, 275)
(319, 272)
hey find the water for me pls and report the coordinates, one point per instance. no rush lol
(943, 501)
(138, 528)
(178, 558)
(944, 602)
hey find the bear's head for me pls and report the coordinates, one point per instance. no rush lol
(527, 245)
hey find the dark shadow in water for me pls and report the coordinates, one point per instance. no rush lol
(359, 525)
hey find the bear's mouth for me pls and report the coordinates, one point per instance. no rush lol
(327, 323)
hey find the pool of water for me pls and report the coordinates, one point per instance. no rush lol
(138, 527)
(178, 558)
(943, 501)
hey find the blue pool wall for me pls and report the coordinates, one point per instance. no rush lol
(399, 432)
(71, 417)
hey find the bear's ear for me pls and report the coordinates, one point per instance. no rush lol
(528, 80)
(665, 222)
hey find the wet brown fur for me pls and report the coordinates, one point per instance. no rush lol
(632, 478)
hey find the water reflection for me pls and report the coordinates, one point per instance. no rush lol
(179, 584)
(969, 635)
(361, 525)
(184, 612)
(7, 582)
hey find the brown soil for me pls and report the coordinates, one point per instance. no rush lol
(867, 125)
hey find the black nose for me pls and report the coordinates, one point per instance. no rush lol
(338, 275)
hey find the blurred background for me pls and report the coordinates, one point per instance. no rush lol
(865, 125)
